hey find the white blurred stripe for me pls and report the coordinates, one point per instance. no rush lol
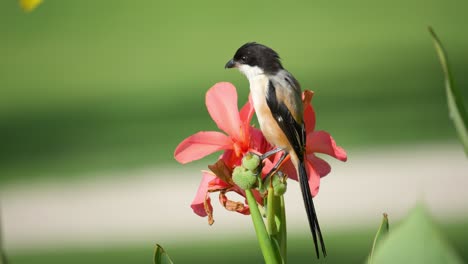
(152, 205)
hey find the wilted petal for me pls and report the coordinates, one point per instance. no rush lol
(221, 170)
(233, 205)
(202, 197)
(322, 142)
(200, 145)
(307, 96)
(221, 101)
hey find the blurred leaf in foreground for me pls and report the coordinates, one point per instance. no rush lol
(29, 5)
(160, 256)
(3, 259)
(415, 240)
(457, 109)
(381, 233)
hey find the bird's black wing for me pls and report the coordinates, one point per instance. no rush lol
(296, 136)
(294, 131)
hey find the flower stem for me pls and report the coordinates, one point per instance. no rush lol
(276, 219)
(282, 230)
(272, 202)
(270, 255)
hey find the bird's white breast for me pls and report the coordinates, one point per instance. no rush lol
(258, 89)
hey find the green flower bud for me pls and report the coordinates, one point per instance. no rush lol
(251, 162)
(280, 189)
(278, 182)
(244, 178)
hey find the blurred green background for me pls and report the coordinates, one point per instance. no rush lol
(107, 85)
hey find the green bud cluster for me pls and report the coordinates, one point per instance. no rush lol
(246, 175)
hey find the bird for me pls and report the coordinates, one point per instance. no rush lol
(277, 100)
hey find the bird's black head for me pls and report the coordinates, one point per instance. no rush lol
(252, 55)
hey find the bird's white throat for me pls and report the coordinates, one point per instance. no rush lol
(250, 72)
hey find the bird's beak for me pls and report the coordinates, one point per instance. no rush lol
(230, 64)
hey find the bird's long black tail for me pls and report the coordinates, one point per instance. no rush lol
(310, 209)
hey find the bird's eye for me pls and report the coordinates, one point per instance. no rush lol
(244, 58)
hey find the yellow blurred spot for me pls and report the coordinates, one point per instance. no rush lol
(29, 5)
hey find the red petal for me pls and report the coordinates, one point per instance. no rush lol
(198, 203)
(200, 145)
(321, 167)
(258, 143)
(270, 162)
(314, 179)
(289, 169)
(322, 142)
(247, 111)
(312, 175)
(221, 101)
(257, 196)
(267, 167)
(309, 118)
(309, 113)
(217, 184)
(231, 159)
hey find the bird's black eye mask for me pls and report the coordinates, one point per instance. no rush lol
(245, 57)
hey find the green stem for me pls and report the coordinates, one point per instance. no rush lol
(272, 203)
(266, 244)
(276, 222)
(282, 230)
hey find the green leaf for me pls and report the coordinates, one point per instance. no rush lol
(160, 256)
(381, 233)
(3, 258)
(415, 240)
(457, 109)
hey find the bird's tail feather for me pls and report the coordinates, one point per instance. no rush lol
(310, 209)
